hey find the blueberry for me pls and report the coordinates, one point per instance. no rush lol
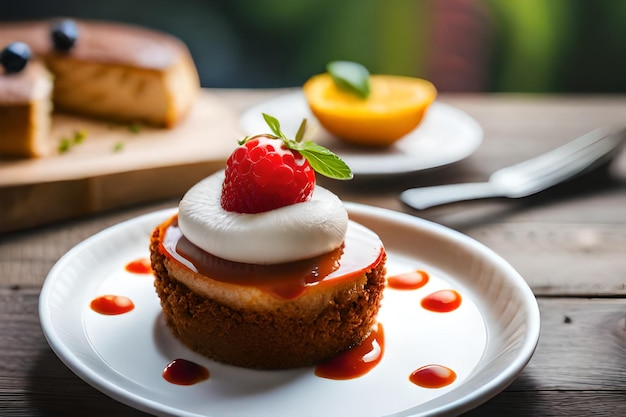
(15, 57)
(64, 35)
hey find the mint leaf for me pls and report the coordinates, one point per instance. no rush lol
(274, 124)
(324, 161)
(351, 77)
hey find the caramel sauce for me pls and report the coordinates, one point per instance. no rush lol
(408, 280)
(139, 266)
(442, 301)
(287, 280)
(112, 305)
(433, 376)
(356, 361)
(184, 372)
(353, 363)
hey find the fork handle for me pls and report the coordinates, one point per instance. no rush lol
(424, 197)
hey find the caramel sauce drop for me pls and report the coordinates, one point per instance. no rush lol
(433, 376)
(408, 280)
(184, 372)
(112, 305)
(442, 301)
(357, 361)
(139, 266)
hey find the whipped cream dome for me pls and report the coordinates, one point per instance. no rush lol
(286, 234)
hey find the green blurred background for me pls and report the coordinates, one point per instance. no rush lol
(461, 45)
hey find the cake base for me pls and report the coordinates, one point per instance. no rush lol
(285, 337)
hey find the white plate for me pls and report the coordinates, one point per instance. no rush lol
(446, 135)
(487, 341)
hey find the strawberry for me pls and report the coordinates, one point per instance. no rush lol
(270, 171)
(263, 174)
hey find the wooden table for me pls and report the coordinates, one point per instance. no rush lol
(568, 243)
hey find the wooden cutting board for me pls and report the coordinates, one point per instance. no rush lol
(115, 165)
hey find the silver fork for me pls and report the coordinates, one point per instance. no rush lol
(528, 177)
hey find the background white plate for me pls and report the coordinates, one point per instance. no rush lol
(444, 136)
(487, 341)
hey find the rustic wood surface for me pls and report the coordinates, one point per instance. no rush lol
(569, 243)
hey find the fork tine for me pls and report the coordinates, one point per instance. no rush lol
(586, 143)
(576, 163)
(560, 164)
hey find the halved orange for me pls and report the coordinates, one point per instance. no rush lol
(395, 106)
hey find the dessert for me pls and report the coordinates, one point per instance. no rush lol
(364, 109)
(265, 286)
(112, 71)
